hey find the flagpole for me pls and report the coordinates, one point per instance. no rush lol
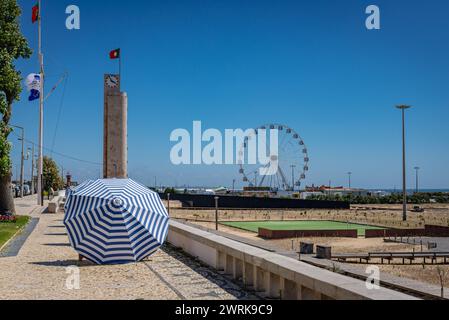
(40, 198)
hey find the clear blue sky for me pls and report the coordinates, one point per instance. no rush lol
(311, 65)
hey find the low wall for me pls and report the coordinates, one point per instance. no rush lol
(436, 231)
(427, 231)
(269, 273)
(229, 202)
(395, 233)
(283, 234)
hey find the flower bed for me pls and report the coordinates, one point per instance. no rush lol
(8, 219)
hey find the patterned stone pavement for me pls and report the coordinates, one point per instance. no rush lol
(38, 267)
(192, 280)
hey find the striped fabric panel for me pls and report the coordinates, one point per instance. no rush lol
(114, 221)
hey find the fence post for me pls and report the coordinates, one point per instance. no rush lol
(168, 203)
(216, 213)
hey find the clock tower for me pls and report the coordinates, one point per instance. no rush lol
(115, 144)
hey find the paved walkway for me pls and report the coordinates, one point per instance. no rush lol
(39, 270)
(442, 243)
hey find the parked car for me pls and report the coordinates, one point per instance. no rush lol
(26, 190)
(417, 209)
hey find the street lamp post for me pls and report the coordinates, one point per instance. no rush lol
(349, 176)
(404, 181)
(33, 187)
(21, 158)
(417, 185)
(293, 176)
(31, 150)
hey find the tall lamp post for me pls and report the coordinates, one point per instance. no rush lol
(22, 158)
(404, 181)
(349, 177)
(31, 151)
(293, 176)
(417, 185)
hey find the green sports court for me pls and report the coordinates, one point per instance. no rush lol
(254, 226)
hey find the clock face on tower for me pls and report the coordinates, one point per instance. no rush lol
(112, 81)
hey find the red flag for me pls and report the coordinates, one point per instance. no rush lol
(35, 14)
(114, 54)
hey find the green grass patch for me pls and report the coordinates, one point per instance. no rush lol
(9, 229)
(254, 226)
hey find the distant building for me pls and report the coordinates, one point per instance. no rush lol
(306, 195)
(334, 191)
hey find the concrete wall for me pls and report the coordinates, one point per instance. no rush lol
(428, 231)
(271, 274)
(208, 201)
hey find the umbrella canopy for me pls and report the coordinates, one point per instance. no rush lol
(114, 221)
(70, 190)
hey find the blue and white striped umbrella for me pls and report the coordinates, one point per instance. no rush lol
(70, 190)
(115, 221)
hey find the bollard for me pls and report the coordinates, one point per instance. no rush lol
(168, 203)
(216, 213)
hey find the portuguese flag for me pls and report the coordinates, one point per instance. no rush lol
(114, 54)
(35, 14)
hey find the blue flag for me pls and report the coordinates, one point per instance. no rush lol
(34, 95)
(33, 83)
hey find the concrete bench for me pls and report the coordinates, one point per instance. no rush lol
(55, 203)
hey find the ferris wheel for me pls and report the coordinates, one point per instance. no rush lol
(292, 160)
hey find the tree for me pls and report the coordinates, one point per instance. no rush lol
(13, 46)
(52, 179)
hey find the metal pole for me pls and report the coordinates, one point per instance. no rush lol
(21, 158)
(216, 213)
(168, 203)
(32, 170)
(22, 163)
(62, 175)
(404, 181)
(417, 185)
(293, 177)
(40, 165)
(349, 175)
